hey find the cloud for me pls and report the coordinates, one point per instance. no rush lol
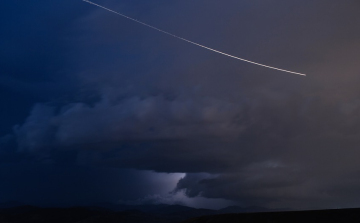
(170, 199)
(179, 198)
(254, 136)
(37, 132)
(152, 118)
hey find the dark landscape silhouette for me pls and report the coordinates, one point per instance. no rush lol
(162, 213)
(107, 212)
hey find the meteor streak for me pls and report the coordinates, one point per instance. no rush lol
(197, 44)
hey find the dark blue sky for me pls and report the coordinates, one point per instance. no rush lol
(97, 108)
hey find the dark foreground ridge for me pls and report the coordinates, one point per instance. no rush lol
(107, 212)
(316, 216)
(169, 214)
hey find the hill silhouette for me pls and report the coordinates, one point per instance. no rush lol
(107, 212)
(171, 214)
(315, 216)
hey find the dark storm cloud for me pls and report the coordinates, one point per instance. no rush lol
(243, 133)
(130, 119)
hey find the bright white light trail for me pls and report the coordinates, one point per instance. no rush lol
(178, 37)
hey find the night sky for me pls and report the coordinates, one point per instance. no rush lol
(96, 108)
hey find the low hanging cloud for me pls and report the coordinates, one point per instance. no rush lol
(152, 118)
